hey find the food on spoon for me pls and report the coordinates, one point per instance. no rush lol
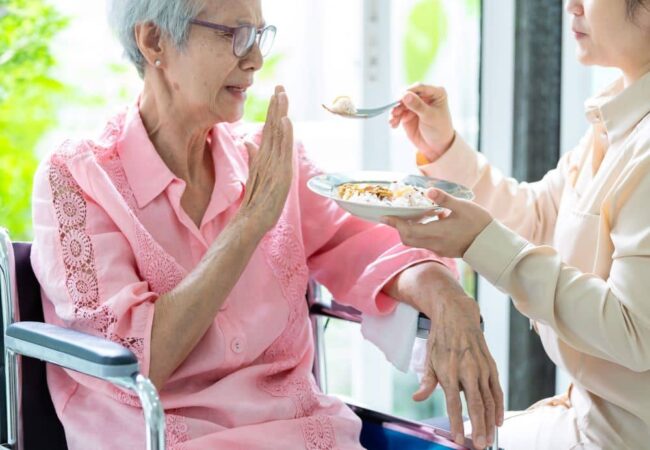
(343, 105)
(395, 194)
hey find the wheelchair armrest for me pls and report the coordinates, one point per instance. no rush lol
(336, 311)
(94, 356)
(71, 349)
(319, 308)
(350, 314)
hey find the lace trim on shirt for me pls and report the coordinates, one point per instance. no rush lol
(287, 260)
(78, 254)
(318, 432)
(299, 389)
(156, 266)
(177, 430)
(176, 427)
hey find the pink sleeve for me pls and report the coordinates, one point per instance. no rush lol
(353, 258)
(85, 265)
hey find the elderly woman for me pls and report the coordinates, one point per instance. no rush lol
(572, 250)
(192, 244)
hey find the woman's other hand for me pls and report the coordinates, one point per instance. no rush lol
(424, 114)
(452, 234)
(270, 166)
(457, 354)
(458, 359)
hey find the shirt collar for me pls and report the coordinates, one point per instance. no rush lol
(149, 176)
(229, 152)
(230, 168)
(619, 110)
(146, 172)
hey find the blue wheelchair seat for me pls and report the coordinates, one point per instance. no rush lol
(384, 432)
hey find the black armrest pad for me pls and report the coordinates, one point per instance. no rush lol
(74, 343)
(336, 310)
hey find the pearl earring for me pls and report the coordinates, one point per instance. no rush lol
(157, 63)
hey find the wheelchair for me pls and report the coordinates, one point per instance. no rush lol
(29, 422)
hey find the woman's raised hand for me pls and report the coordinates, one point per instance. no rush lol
(270, 165)
(424, 114)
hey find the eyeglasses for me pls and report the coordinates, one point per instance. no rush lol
(244, 37)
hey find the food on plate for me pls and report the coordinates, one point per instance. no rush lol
(343, 105)
(394, 194)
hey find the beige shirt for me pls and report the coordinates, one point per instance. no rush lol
(573, 252)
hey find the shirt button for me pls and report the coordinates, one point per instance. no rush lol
(237, 346)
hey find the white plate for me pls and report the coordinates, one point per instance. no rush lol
(327, 186)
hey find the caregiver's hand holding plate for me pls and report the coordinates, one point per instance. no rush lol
(452, 234)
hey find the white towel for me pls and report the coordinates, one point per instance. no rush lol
(394, 335)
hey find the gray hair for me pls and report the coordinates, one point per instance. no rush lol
(171, 16)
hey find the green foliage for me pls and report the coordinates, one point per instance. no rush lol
(426, 31)
(473, 7)
(28, 100)
(256, 106)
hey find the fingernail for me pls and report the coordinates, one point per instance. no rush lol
(460, 439)
(480, 442)
(409, 99)
(490, 439)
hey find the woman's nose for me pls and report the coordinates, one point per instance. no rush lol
(254, 60)
(574, 7)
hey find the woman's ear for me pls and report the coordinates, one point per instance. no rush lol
(150, 42)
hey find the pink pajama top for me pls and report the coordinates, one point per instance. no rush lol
(111, 238)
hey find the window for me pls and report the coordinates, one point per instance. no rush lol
(433, 41)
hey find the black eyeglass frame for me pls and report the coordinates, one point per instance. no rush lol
(233, 31)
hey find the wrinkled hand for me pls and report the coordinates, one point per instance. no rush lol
(459, 360)
(424, 114)
(270, 165)
(454, 231)
(457, 355)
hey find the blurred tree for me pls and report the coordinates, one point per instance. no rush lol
(473, 7)
(28, 100)
(425, 33)
(427, 29)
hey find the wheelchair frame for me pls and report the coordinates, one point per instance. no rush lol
(98, 358)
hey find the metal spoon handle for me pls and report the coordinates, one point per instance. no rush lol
(364, 113)
(381, 109)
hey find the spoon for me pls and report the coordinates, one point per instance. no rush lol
(365, 113)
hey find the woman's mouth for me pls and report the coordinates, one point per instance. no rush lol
(239, 92)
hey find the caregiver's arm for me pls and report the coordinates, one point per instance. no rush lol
(527, 208)
(606, 318)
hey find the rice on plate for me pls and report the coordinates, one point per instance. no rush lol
(395, 194)
(371, 195)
